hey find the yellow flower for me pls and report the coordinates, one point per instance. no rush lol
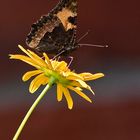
(55, 72)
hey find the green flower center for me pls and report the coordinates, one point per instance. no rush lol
(57, 78)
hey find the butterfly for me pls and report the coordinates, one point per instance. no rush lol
(55, 33)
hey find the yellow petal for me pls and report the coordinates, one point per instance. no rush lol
(83, 84)
(74, 77)
(30, 74)
(75, 83)
(79, 88)
(25, 59)
(89, 76)
(89, 88)
(24, 50)
(54, 63)
(46, 81)
(36, 82)
(68, 97)
(78, 85)
(34, 57)
(61, 66)
(80, 93)
(85, 74)
(59, 92)
(38, 59)
(47, 60)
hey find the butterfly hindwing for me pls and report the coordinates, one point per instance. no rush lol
(56, 31)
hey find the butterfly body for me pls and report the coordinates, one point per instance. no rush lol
(55, 33)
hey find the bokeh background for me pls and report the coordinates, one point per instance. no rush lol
(115, 113)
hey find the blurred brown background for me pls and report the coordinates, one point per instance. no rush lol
(115, 113)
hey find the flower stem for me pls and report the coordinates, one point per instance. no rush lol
(31, 110)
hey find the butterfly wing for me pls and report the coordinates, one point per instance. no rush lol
(57, 30)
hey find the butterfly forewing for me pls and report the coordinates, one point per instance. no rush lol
(56, 31)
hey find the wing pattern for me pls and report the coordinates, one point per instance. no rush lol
(56, 31)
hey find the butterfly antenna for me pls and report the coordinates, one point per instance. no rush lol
(83, 36)
(99, 46)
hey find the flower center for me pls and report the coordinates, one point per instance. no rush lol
(57, 78)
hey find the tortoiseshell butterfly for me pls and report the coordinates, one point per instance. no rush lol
(55, 33)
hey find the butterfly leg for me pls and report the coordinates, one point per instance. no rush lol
(58, 58)
(71, 59)
(59, 54)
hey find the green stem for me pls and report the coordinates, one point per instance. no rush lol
(31, 110)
